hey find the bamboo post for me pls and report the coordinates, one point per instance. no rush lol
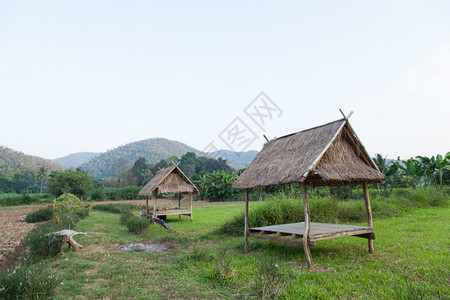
(307, 225)
(190, 203)
(154, 205)
(179, 204)
(146, 206)
(369, 213)
(246, 223)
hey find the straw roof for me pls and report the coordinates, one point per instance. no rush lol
(330, 154)
(169, 180)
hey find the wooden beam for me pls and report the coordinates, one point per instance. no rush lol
(146, 206)
(307, 225)
(179, 204)
(369, 213)
(154, 215)
(246, 223)
(190, 204)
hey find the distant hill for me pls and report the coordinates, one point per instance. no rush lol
(237, 160)
(75, 160)
(153, 150)
(11, 160)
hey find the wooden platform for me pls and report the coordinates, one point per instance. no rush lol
(293, 233)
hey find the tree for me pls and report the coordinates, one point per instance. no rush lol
(42, 175)
(70, 182)
(442, 164)
(65, 208)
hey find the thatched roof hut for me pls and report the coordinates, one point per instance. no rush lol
(169, 180)
(326, 155)
(329, 154)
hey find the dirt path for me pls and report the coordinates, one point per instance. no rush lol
(13, 229)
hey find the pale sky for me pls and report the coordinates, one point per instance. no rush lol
(93, 75)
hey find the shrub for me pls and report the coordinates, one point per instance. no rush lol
(27, 282)
(65, 210)
(137, 225)
(40, 245)
(43, 214)
(116, 207)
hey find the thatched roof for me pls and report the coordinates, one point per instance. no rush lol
(330, 154)
(169, 180)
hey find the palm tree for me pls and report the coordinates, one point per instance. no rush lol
(42, 175)
(380, 161)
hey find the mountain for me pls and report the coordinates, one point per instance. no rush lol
(11, 160)
(153, 150)
(237, 160)
(75, 160)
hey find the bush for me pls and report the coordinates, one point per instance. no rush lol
(125, 193)
(137, 225)
(40, 245)
(117, 208)
(65, 210)
(27, 282)
(43, 214)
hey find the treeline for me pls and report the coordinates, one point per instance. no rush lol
(141, 172)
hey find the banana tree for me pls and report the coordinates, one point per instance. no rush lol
(442, 163)
(411, 170)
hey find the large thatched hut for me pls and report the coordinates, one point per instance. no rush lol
(169, 180)
(326, 155)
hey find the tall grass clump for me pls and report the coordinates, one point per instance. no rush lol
(28, 282)
(41, 245)
(282, 209)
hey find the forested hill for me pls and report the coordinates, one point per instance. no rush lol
(11, 160)
(75, 160)
(153, 150)
(237, 160)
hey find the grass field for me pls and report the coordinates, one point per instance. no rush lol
(410, 261)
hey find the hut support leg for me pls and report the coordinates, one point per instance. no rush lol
(190, 204)
(246, 223)
(146, 207)
(154, 215)
(307, 225)
(179, 204)
(369, 213)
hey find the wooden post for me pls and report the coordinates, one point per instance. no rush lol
(246, 223)
(179, 204)
(190, 203)
(146, 207)
(154, 215)
(369, 213)
(307, 225)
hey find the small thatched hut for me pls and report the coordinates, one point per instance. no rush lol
(169, 180)
(327, 155)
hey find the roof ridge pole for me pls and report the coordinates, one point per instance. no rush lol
(246, 223)
(369, 213)
(307, 225)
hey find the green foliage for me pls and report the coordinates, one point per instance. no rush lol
(125, 193)
(28, 282)
(42, 246)
(21, 199)
(65, 210)
(137, 225)
(117, 207)
(43, 214)
(217, 185)
(70, 181)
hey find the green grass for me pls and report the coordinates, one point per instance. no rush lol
(410, 260)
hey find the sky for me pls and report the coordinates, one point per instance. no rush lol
(89, 76)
